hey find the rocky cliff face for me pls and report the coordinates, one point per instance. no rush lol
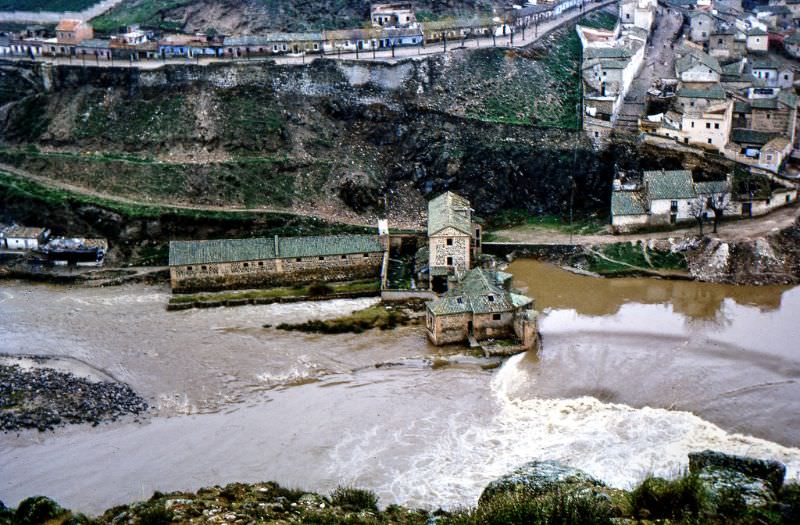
(771, 259)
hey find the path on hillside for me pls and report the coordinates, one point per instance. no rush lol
(531, 35)
(728, 230)
(52, 17)
(659, 62)
(343, 218)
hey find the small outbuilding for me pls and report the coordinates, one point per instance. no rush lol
(481, 306)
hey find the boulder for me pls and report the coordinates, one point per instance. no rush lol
(540, 477)
(773, 472)
(729, 488)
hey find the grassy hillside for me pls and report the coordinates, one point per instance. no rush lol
(253, 16)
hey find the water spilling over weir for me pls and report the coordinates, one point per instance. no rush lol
(633, 375)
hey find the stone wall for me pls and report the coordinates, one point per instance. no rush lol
(486, 327)
(459, 250)
(445, 329)
(770, 120)
(274, 272)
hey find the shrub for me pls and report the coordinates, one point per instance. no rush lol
(556, 508)
(36, 510)
(790, 498)
(317, 289)
(156, 514)
(658, 498)
(354, 499)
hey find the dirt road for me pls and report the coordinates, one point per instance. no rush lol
(729, 230)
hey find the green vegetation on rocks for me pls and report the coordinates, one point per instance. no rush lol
(380, 316)
(628, 258)
(539, 493)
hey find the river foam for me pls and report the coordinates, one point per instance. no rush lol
(614, 442)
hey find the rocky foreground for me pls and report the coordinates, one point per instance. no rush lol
(43, 398)
(718, 489)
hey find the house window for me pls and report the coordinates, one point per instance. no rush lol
(246, 265)
(459, 300)
(710, 141)
(691, 103)
(298, 259)
(673, 206)
(596, 134)
(261, 263)
(321, 258)
(344, 256)
(708, 125)
(495, 317)
(605, 73)
(716, 125)
(693, 123)
(366, 255)
(188, 268)
(449, 261)
(204, 267)
(449, 242)
(769, 157)
(769, 116)
(491, 298)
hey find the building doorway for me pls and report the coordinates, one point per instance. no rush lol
(470, 329)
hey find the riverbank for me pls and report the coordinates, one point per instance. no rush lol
(33, 395)
(717, 489)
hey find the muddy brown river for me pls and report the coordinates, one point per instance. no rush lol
(633, 375)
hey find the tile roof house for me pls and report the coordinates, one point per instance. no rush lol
(453, 238)
(22, 237)
(238, 263)
(481, 305)
(664, 197)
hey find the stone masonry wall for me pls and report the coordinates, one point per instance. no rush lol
(459, 250)
(274, 272)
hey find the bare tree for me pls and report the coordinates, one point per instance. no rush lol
(697, 208)
(718, 201)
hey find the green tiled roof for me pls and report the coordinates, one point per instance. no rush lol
(478, 292)
(677, 184)
(741, 107)
(233, 250)
(607, 52)
(711, 187)
(613, 64)
(764, 63)
(714, 92)
(764, 103)
(751, 136)
(627, 203)
(689, 60)
(449, 211)
(757, 32)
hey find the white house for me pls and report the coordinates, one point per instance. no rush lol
(757, 41)
(23, 238)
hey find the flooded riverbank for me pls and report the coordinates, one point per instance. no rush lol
(624, 362)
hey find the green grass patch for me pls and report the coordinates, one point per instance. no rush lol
(354, 499)
(549, 509)
(683, 498)
(600, 20)
(517, 218)
(379, 316)
(249, 182)
(146, 12)
(633, 255)
(274, 293)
